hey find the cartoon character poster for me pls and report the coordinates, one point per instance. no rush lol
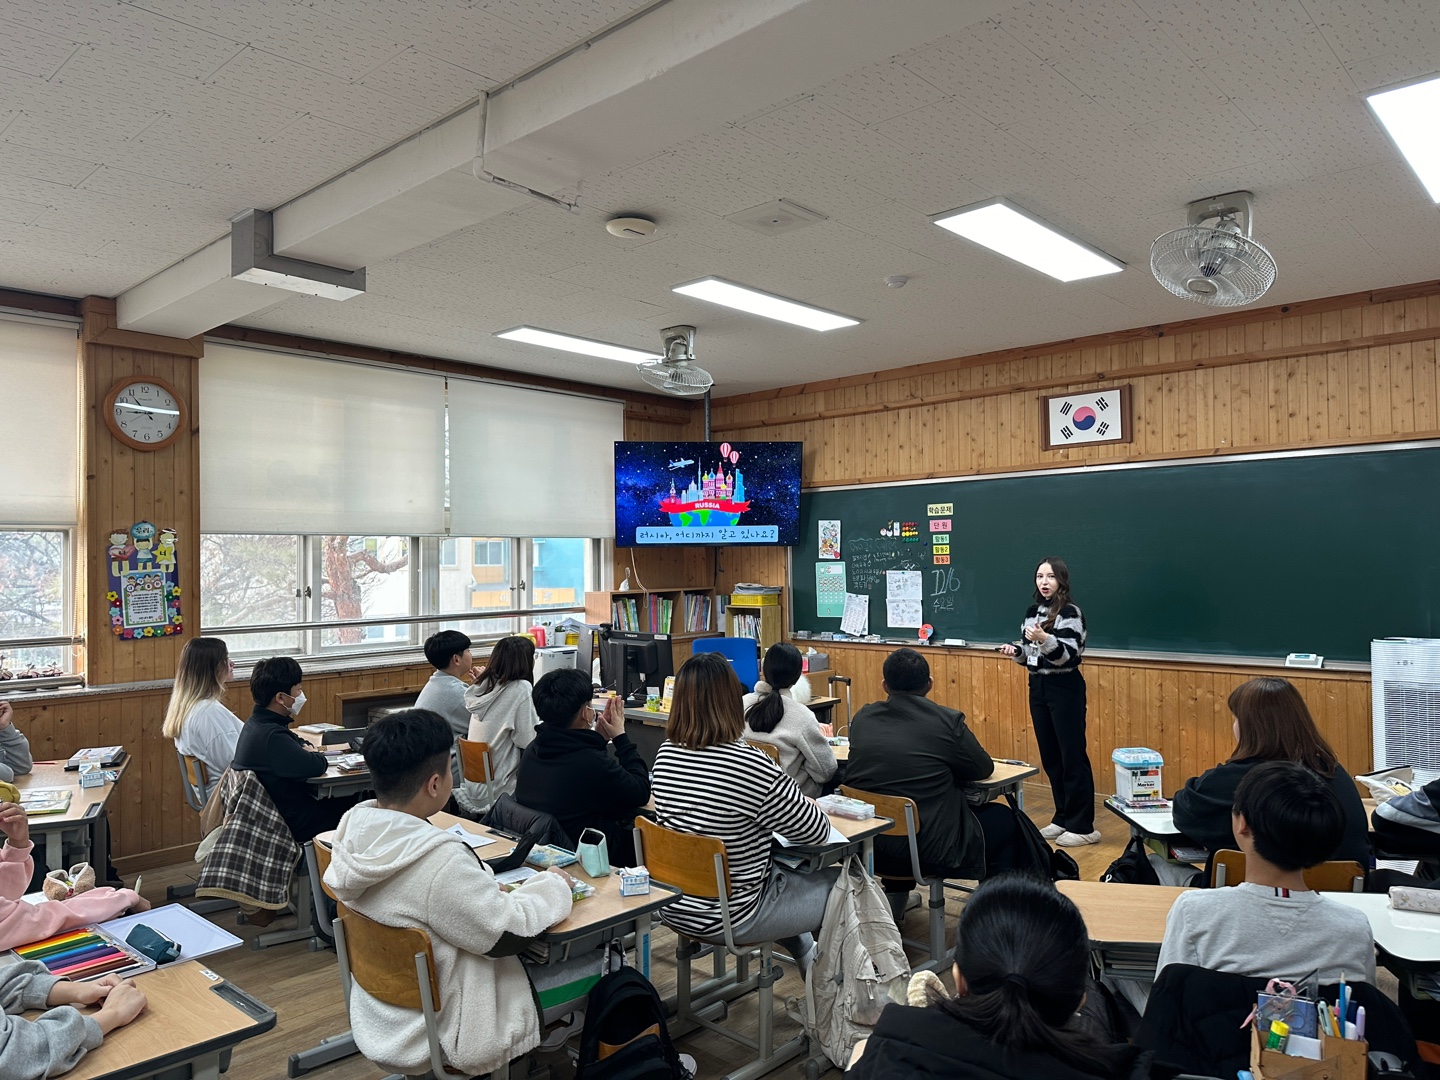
(144, 591)
(830, 538)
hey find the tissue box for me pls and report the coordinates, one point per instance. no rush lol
(814, 661)
(91, 775)
(634, 881)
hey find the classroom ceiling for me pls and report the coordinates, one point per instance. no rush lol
(131, 132)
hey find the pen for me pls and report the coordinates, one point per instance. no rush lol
(1342, 1005)
(1360, 1021)
(502, 832)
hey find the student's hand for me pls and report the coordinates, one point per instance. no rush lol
(122, 1004)
(556, 870)
(612, 721)
(6, 712)
(14, 824)
(66, 992)
(141, 904)
(1008, 649)
(1036, 633)
(478, 673)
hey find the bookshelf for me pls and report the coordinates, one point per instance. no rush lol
(747, 616)
(684, 614)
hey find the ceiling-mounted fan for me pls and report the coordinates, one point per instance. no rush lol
(1214, 259)
(676, 373)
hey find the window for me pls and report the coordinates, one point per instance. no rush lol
(34, 601)
(287, 593)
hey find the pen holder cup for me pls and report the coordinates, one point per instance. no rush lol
(594, 853)
(1340, 1059)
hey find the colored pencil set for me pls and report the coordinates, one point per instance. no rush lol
(84, 953)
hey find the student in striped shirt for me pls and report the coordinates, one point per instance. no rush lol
(708, 781)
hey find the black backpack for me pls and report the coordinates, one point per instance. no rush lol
(1033, 855)
(625, 1011)
(1133, 866)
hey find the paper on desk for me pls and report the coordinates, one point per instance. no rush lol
(903, 585)
(835, 837)
(473, 839)
(903, 613)
(856, 619)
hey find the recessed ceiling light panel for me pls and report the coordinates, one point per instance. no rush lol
(743, 298)
(549, 339)
(1003, 227)
(1411, 115)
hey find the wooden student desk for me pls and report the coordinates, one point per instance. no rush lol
(85, 818)
(1158, 824)
(333, 781)
(1126, 923)
(193, 1021)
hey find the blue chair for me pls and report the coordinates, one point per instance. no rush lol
(742, 652)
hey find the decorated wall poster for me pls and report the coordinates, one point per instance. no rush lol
(830, 590)
(830, 538)
(144, 577)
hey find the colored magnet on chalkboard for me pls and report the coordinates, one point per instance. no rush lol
(940, 525)
(940, 538)
(910, 532)
(942, 560)
(936, 509)
(942, 549)
(926, 633)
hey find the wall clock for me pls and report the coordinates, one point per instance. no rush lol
(144, 412)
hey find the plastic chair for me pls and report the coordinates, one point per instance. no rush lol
(197, 783)
(906, 816)
(742, 652)
(770, 750)
(1338, 875)
(697, 866)
(394, 965)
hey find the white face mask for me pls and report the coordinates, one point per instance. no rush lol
(297, 704)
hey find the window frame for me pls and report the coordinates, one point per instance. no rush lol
(68, 638)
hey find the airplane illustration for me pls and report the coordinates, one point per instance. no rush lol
(681, 463)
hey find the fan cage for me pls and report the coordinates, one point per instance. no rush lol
(1240, 269)
(680, 378)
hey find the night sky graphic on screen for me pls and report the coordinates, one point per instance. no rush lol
(707, 493)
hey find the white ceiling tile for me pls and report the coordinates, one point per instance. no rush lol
(1206, 143)
(1142, 78)
(1357, 29)
(1400, 66)
(994, 76)
(1206, 31)
(1055, 28)
(820, 135)
(19, 160)
(33, 52)
(565, 21)
(149, 38)
(17, 211)
(878, 93)
(926, 183)
(421, 77)
(1261, 81)
(1330, 138)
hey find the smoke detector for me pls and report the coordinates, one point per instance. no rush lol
(630, 228)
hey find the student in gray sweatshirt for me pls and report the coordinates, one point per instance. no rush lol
(55, 1041)
(449, 654)
(15, 757)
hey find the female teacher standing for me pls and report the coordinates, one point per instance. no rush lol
(1054, 641)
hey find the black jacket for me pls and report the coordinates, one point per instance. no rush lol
(1192, 1020)
(1202, 810)
(911, 746)
(914, 1044)
(567, 772)
(283, 761)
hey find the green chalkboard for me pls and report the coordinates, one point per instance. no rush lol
(1312, 552)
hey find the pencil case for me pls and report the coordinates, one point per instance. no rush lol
(1405, 898)
(549, 855)
(150, 942)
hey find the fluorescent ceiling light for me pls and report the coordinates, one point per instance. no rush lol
(1411, 114)
(549, 339)
(741, 298)
(1012, 232)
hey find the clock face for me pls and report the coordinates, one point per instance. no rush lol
(145, 414)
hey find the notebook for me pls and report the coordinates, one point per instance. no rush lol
(40, 801)
(104, 756)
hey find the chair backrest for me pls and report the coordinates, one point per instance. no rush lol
(475, 761)
(770, 750)
(322, 864)
(1337, 875)
(196, 781)
(382, 960)
(685, 861)
(902, 811)
(742, 652)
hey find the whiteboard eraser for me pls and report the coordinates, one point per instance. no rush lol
(954, 641)
(1304, 659)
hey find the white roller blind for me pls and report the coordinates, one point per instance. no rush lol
(531, 463)
(39, 424)
(292, 444)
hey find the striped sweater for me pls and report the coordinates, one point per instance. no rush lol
(735, 793)
(1063, 646)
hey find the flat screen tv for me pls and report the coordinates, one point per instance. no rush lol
(707, 493)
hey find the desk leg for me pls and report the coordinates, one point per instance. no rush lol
(1020, 795)
(54, 849)
(642, 944)
(100, 844)
(206, 1066)
(867, 851)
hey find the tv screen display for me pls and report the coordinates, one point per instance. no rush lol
(707, 493)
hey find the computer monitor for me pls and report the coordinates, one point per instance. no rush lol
(631, 663)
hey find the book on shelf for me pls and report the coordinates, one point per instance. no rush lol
(697, 612)
(104, 756)
(39, 801)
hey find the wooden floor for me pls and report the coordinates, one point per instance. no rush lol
(303, 987)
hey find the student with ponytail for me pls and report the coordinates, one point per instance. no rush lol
(1021, 958)
(1054, 642)
(777, 713)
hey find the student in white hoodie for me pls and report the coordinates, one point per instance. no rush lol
(778, 713)
(391, 865)
(502, 715)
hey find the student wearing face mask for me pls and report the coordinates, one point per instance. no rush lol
(281, 759)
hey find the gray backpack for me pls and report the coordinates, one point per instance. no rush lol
(860, 964)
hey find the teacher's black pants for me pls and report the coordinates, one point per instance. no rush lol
(1057, 711)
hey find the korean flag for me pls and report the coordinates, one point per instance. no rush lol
(1086, 418)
